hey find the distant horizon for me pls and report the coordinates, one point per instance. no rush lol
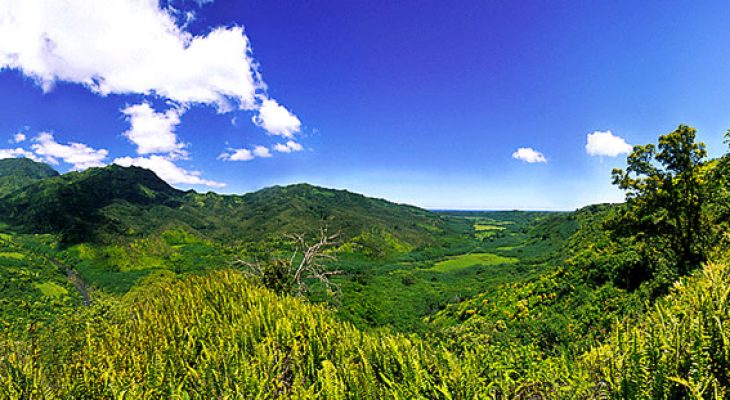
(496, 210)
(480, 106)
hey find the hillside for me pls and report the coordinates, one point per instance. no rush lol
(299, 208)
(229, 338)
(103, 204)
(117, 224)
(16, 173)
(33, 288)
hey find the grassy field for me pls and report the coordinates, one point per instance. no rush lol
(51, 289)
(487, 227)
(471, 260)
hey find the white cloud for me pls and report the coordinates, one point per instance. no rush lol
(288, 147)
(154, 132)
(18, 137)
(14, 153)
(261, 151)
(245, 154)
(529, 155)
(605, 143)
(168, 171)
(277, 120)
(237, 155)
(79, 155)
(127, 46)
(137, 47)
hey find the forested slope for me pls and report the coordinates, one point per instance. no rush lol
(109, 204)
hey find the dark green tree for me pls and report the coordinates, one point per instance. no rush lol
(665, 197)
(718, 207)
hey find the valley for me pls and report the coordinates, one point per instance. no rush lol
(353, 200)
(116, 284)
(386, 283)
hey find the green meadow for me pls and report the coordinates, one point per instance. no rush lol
(472, 260)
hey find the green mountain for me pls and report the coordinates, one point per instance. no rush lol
(303, 207)
(112, 203)
(75, 204)
(16, 173)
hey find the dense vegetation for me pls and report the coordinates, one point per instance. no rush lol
(610, 301)
(220, 336)
(111, 204)
(17, 173)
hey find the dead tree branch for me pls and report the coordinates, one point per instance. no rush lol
(313, 264)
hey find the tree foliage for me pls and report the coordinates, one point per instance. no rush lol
(665, 197)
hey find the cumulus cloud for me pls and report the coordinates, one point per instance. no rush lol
(18, 152)
(605, 143)
(167, 170)
(18, 137)
(237, 155)
(136, 47)
(288, 147)
(245, 154)
(277, 120)
(529, 155)
(261, 151)
(154, 132)
(127, 46)
(79, 155)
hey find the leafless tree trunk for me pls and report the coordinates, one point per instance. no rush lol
(313, 259)
(312, 265)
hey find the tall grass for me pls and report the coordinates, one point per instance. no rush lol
(218, 336)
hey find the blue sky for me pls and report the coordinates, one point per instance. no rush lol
(426, 102)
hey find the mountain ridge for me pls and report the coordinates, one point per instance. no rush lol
(16, 173)
(110, 202)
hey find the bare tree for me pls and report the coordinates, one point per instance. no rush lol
(285, 275)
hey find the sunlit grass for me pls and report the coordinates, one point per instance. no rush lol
(487, 227)
(470, 260)
(12, 254)
(51, 289)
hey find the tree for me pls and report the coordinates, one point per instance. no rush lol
(718, 207)
(665, 197)
(285, 275)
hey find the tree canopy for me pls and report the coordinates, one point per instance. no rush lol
(665, 196)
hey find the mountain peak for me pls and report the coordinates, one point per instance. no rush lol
(16, 173)
(123, 178)
(72, 203)
(25, 167)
